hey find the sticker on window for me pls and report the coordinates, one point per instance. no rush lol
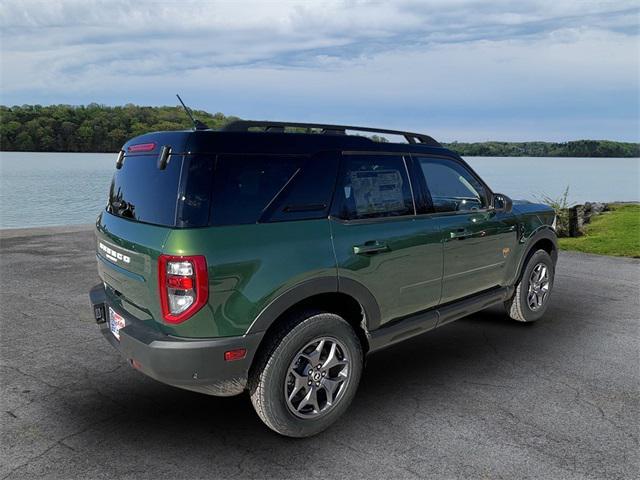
(377, 191)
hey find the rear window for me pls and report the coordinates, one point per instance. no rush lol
(178, 196)
(229, 189)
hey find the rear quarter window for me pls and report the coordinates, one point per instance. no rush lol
(245, 186)
(309, 194)
(195, 197)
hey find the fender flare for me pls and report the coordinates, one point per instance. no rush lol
(544, 232)
(313, 287)
(369, 304)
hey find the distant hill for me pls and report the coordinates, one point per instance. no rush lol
(577, 148)
(90, 128)
(99, 128)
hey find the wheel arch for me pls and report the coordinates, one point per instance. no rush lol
(542, 239)
(352, 301)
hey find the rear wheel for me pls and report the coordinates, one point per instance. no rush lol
(307, 374)
(531, 298)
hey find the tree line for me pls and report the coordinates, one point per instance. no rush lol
(90, 128)
(577, 148)
(100, 128)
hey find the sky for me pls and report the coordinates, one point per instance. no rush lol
(553, 70)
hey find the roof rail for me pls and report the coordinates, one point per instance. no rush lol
(245, 125)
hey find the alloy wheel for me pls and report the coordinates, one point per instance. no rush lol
(539, 285)
(317, 377)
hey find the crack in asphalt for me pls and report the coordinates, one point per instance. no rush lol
(56, 443)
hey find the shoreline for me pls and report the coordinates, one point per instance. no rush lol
(6, 233)
(16, 233)
(446, 146)
(36, 230)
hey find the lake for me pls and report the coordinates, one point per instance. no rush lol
(42, 189)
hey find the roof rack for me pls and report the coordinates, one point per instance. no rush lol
(279, 127)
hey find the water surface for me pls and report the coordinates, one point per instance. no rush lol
(588, 179)
(41, 189)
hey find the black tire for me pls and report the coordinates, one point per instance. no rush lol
(271, 370)
(518, 306)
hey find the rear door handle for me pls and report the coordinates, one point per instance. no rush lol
(370, 247)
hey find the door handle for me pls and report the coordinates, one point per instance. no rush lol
(370, 247)
(460, 234)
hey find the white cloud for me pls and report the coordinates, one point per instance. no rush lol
(360, 61)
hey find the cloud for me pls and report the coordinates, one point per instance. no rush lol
(453, 66)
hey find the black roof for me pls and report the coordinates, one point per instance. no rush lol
(285, 138)
(327, 129)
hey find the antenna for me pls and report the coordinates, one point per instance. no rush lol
(197, 124)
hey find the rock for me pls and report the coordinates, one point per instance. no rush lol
(579, 215)
(576, 220)
(593, 208)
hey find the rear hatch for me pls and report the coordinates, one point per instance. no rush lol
(146, 202)
(127, 254)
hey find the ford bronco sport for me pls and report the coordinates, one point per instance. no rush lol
(273, 257)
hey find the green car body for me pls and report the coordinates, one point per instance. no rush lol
(391, 277)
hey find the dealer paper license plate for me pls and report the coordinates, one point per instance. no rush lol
(116, 322)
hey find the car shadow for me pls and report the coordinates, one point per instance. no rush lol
(159, 415)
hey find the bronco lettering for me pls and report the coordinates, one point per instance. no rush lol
(113, 255)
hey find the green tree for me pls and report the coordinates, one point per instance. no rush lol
(100, 128)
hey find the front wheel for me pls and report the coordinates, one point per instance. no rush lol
(531, 298)
(307, 374)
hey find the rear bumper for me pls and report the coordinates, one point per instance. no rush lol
(192, 364)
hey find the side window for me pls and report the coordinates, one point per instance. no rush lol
(245, 185)
(374, 186)
(308, 195)
(452, 187)
(195, 201)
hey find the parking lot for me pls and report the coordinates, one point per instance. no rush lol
(484, 397)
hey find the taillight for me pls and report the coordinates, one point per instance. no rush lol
(184, 286)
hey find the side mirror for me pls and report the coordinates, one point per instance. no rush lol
(502, 203)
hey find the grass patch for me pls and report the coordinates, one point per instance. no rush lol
(611, 233)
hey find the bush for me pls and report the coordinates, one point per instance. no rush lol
(561, 206)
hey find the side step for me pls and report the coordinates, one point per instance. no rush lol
(420, 323)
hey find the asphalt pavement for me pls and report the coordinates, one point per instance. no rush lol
(484, 397)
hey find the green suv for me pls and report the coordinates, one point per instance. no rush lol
(274, 257)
